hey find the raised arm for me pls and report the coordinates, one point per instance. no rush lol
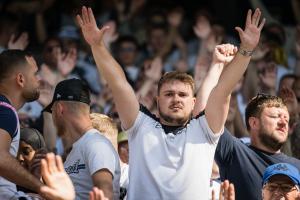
(126, 102)
(222, 55)
(218, 102)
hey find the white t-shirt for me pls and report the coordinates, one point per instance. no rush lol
(89, 154)
(170, 166)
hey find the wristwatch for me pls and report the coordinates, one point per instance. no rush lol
(245, 52)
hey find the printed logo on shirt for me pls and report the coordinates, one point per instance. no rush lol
(74, 169)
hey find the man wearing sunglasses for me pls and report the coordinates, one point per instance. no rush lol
(281, 181)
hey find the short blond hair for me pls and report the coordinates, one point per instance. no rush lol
(106, 126)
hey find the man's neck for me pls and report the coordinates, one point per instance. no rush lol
(264, 148)
(76, 129)
(13, 99)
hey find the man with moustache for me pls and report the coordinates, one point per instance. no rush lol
(267, 120)
(19, 83)
(171, 155)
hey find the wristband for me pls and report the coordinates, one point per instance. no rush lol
(245, 52)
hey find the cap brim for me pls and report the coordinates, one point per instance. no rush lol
(48, 108)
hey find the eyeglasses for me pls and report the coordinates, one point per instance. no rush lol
(283, 187)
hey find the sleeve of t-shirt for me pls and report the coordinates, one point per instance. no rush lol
(139, 121)
(209, 134)
(8, 121)
(224, 149)
(100, 155)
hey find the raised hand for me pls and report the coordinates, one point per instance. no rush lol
(250, 36)
(224, 53)
(226, 191)
(97, 194)
(92, 34)
(154, 69)
(58, 184)
(18, 43)
(35, 164)
(66, 62)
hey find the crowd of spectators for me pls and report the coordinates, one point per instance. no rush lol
(148, 40)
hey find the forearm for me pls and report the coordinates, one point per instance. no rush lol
(209, 82)
(11, 170)
(108, 66)
(49, 131)
(233, 73)
(40, 28)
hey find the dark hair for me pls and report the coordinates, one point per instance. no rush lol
(127, 38)
(173, 76)
(10, 60)
(32, 137)
(258, 103)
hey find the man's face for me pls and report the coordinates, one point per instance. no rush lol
(175, 103)
(280, 187)
(123, 151)
(273, 130)
(31, 90)
(127, 53)
(50, 53)
(157, 39)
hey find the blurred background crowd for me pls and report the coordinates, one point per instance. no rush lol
(149, 38)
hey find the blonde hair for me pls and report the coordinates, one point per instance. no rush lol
(106, 126)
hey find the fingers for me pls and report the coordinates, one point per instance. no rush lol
(256, 17)
(51, 163)
(231, 193)
(91, 16)
(84, 15)
(239, 30)
(79, 20)
(59, 163)
(248, 19)
(262, 24)
(44, 170)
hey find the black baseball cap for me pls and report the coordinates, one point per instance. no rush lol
(70, 90)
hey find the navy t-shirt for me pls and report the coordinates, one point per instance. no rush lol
(8, 120)
(244, 165)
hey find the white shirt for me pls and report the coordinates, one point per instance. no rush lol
(91, 153)
(168, 166)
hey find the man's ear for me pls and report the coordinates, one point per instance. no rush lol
(20, 79)
(254, 123)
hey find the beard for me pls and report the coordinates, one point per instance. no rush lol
(270, 141)
(178, 121)
(31, 95)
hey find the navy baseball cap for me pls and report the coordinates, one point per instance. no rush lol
(282, 169)
(70, 90)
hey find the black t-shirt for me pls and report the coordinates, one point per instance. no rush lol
(8, 120)
(244, 165)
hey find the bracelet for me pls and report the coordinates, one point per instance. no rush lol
(245, 52)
